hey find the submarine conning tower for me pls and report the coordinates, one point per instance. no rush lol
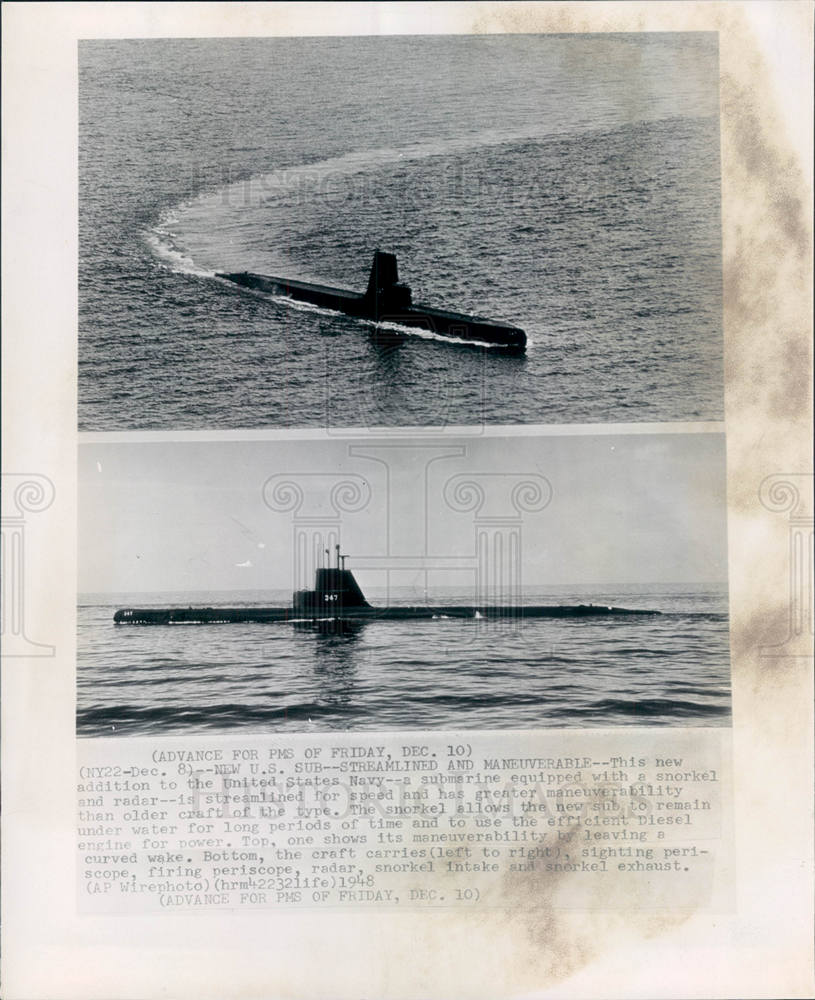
(385, 293)
(335, 590)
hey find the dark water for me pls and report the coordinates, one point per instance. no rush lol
(569, 184)
(672, 670)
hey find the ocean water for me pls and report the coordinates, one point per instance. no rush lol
(671, 670)
(567, 184)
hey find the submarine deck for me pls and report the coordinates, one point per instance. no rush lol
(287, 285)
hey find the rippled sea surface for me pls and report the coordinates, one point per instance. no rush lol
(566, 184)
(672, 669)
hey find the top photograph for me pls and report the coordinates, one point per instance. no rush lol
(399, 231)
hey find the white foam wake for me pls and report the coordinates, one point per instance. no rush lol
(164, 243)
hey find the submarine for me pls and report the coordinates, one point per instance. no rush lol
(386, 300)
(337, 597)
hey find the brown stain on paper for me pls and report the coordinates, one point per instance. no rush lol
(565, 940)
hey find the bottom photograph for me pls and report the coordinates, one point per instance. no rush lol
(279, 582)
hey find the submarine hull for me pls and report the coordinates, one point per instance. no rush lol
(225, 616)
(338, 599)
(385, 303)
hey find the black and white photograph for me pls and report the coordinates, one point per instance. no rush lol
(378, 584)
(399, 231)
